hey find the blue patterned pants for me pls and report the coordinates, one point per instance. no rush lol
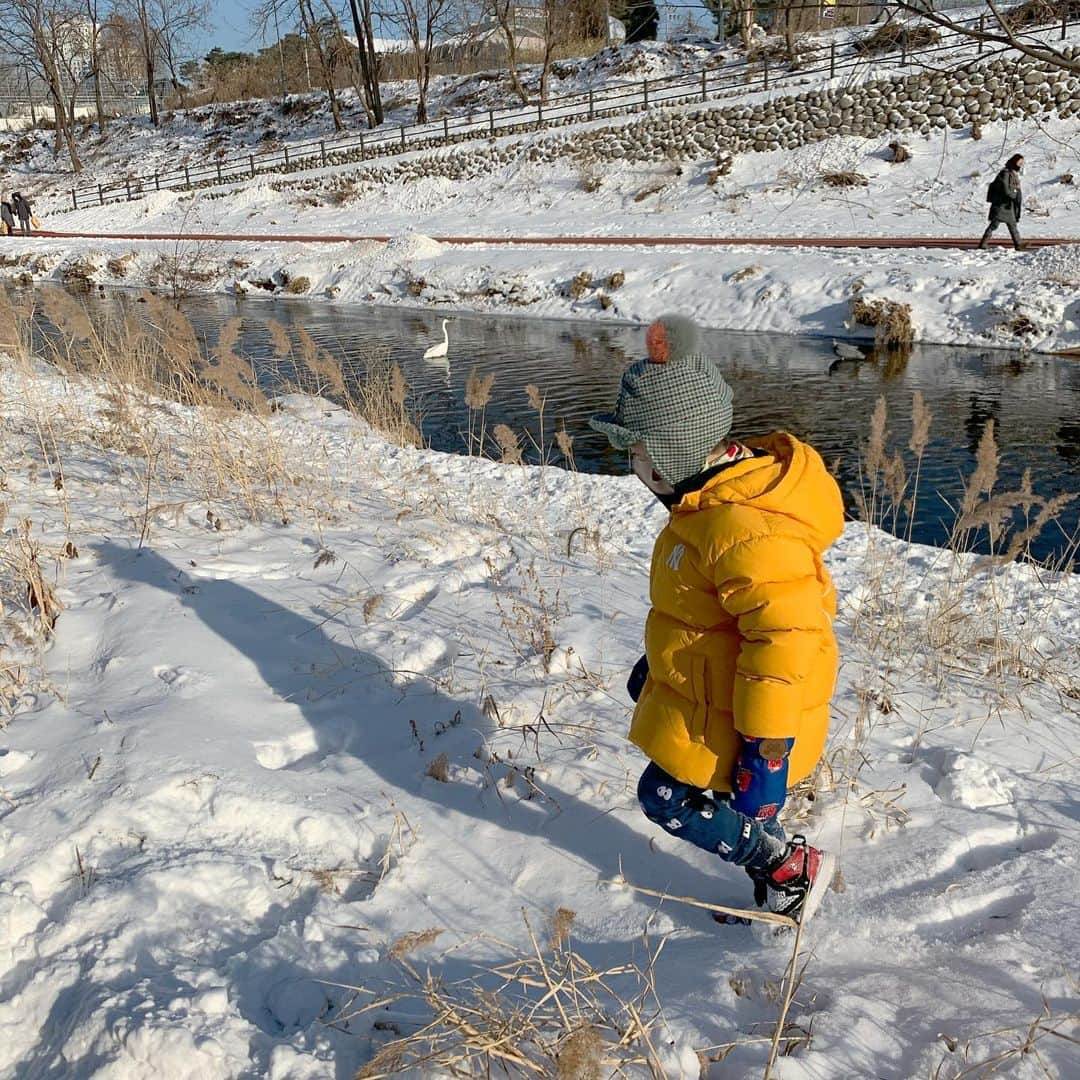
(708, 821)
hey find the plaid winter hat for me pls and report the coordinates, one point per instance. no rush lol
(676, 402)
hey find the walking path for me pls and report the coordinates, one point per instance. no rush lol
(936, 242)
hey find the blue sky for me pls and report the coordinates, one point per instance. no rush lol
(231, 27)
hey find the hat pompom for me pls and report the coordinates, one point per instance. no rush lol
(656, 341)
(672, 338)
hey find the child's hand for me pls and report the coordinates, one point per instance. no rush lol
(636, 683)
(759, 786)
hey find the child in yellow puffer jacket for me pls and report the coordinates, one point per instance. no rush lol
(740, 659)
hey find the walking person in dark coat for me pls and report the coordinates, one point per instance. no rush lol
(1004, 196)
(23, 209)
(7, 217)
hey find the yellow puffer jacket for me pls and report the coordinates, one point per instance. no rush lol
(740, 637)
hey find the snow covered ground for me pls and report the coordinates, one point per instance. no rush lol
(310, 693)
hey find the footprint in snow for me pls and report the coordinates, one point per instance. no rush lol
(412, 598)
(984, 849)
(180, 680)
(423, 655)
(227, 569)
(277, 754)
(961, 916)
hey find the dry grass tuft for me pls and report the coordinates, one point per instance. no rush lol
(590, 178)
(581, 284)
(562, 922)
(1019, 325)
(507, 441)
(890, 319)
(29, 609)
(530, 614)
(439, 769)
(948, 616)
(118, 265)
(745, 273)
(477, 398)
(565, 442)
(1034, 13)
(78, 274)
(540, 1013)
(581, 1056)
(410, 942)
(844, 179)
(892, 36)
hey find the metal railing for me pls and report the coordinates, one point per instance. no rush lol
(760, 75)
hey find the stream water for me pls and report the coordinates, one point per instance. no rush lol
(779, 382)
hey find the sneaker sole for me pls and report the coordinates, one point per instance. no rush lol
(826, 872)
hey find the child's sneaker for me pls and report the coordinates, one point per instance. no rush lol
(796, 884)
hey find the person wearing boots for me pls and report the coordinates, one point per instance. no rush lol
(21, 205)
(732, 695)
(1006, 201)
(7, 217)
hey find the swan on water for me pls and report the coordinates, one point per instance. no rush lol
(436, 352)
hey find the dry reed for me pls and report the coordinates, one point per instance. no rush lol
(545, 1011)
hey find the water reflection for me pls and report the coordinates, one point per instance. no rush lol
(779, 382)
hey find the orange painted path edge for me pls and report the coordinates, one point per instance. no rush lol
(935, 242)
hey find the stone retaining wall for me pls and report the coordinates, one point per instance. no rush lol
(1004, 88)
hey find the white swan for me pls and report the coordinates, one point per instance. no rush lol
(437, 352)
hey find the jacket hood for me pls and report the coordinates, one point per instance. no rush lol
(786, 477)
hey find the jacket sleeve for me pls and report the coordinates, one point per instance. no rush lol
(770, 586)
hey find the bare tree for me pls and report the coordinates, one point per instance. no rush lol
(422, 22)
(118, 47)
(94, 18)
(162, 26)
(177, 20)
(46, 36)
(322, 34)
(363, 23)
(504, 12)
(1012, 28)
(560, 23)
(266, 20)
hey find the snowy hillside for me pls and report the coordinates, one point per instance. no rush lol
(204, 133)
(322, 716)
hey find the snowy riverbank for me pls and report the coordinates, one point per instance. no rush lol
(996, 298)
(310, 693)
